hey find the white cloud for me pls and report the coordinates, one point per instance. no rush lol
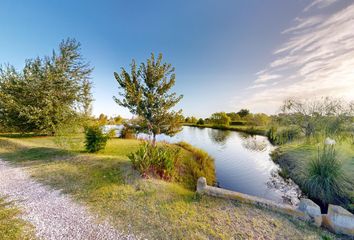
(262, 85)
(304, 24)
(266, 77)
(319, 4)
(316, 60)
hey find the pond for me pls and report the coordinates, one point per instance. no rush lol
(242, 162)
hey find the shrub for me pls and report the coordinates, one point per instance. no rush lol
(220, 118)
(282, 136)
(325, 179)
(170, 163)
(96, 140)
(128, 132)
(155, 160)
(200, 121)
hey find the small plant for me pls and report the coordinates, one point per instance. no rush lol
(325, 179)
(141, 159)
(96, 140)
(155, 160)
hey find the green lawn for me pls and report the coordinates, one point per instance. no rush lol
(155, 209)
(11, 227)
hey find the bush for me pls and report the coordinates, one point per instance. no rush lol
(283, 136)
(96, 140)
(128, 132)
(170, 163)
(325, 180)
(158, 161)
(200, 121)
(220, 118)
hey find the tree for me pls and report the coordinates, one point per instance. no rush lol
(47, 93)
(234, 116)
(102, 119)
(243, 113)
(200, 121)
(146, 93)
(118, 120)
(193, 120)
(326, 116)
(220, 118)
(260, 119)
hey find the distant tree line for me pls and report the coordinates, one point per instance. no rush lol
(242, 117)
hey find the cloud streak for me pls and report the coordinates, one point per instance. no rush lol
(316, 60)
(319, 4)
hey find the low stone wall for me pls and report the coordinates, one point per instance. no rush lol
(337, 219)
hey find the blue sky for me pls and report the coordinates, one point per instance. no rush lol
(227, 54)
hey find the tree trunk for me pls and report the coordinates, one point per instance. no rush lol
(153, 140)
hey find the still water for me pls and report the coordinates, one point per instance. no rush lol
(242, 162)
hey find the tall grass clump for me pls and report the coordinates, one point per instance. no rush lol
(160, 161)
(180, 162)
(95, 139)
(325, 179)
(200, 164)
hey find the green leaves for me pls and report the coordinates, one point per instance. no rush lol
(146, 93)
(220, 118)
(95, 139)
(156, 161)
(325, 179)
(47, 92)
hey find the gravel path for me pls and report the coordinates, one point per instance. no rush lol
(54, 215)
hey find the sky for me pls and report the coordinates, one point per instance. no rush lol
(227, 54)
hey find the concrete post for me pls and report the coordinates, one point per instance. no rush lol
(201, 184)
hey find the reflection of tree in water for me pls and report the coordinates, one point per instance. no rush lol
(219, 136)
(252, 143)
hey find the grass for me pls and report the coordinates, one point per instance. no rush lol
(11, 227)
(295, 157)
(257, 130)
(152, 208)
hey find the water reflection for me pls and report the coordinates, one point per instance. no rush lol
(253, 143)
(242, 162)
(219, 137)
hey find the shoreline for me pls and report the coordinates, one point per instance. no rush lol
(245, 129)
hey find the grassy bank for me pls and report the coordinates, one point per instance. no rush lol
(254, 130)
(294, 158)
(11, 227)
(155, 209)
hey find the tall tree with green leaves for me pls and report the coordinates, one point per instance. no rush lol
(220, 118)
(48, 92)
(243, 113)
(146, 93)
